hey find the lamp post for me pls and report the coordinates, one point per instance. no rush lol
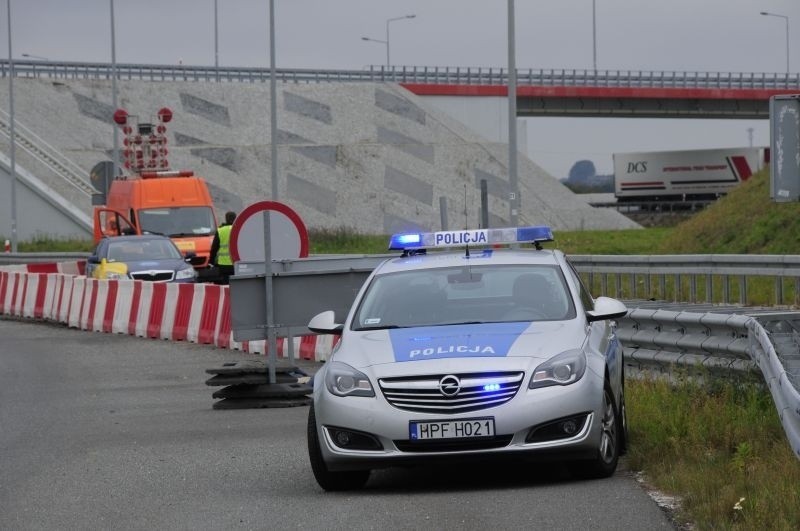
(31, 56)
(12, 137)
(386, 42)
(513, 183)
(216, 36)
(115, 154)
(786, 20)
(594, 35)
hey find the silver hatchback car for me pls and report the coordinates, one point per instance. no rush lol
(471, 354)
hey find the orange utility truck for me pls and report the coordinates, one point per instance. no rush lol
(154, 199)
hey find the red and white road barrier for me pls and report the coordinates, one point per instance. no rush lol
(68, 268)
(199, 313)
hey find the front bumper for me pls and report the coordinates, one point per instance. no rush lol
(513, 421)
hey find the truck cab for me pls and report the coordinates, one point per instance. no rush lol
(176, 204)
(155, 199)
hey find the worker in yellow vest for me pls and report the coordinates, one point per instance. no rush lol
(221, 249)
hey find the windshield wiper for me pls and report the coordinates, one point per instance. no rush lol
(383, 327)
(455, 323)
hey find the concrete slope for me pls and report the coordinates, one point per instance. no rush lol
(41, 211)
(369, 157)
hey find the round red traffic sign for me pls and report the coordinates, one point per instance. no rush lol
(288, 235)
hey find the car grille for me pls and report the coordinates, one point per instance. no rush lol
(153, 276)
(424, 394)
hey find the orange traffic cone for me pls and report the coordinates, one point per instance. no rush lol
(7, 247)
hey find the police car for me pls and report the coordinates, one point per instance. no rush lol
(474, 353)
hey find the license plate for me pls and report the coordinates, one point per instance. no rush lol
(451, 429)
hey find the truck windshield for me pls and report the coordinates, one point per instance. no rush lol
(177, 221)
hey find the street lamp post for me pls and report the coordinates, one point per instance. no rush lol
(594, 35)
(386, 42)
(12, 136)
(786, 20)
(513, 183)
(216, 36)
(115, 153)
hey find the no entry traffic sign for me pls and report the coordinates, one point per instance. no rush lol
(288, 236)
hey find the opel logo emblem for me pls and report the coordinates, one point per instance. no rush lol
(450, 385)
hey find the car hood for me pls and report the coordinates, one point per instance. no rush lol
(457, 343)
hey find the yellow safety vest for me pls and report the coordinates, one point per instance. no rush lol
(224, 253)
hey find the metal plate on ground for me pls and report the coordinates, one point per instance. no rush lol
(278, 390)
(254, 366)
(251, 403)
(250, 379)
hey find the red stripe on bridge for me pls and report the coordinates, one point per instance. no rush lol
(422, 89)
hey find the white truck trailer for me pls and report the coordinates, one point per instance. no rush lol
(691, 175)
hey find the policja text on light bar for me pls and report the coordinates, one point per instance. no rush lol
(422, 240)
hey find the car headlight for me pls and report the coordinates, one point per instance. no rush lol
(343, 380)
(564, 369)
(112, 275)
(182, 274)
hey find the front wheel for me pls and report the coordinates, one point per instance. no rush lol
(330, 481)
(605, 462)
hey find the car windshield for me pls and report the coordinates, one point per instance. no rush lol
(465, 295)
(178, 221)
(137, 250)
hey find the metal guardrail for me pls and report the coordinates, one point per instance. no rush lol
(659, 339)
(656, 338)
(408, 74)
(712, 278)
(38, 258)
(721, 278)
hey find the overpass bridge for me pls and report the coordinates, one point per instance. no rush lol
(540, 92)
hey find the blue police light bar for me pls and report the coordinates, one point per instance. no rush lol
(457, 238)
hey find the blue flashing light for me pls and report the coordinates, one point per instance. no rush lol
(474, 237)
(491, 387)
(401, 242)
(535, 234)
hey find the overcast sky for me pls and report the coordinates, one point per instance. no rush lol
(682, 35)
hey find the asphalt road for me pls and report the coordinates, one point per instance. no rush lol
(102, 431)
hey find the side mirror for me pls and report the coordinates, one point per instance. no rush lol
(93, 259)
(189, 256)
(324, 323)
(606, 308)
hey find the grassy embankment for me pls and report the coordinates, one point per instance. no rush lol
(710, 445)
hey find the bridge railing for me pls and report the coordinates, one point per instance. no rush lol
(434, 75)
